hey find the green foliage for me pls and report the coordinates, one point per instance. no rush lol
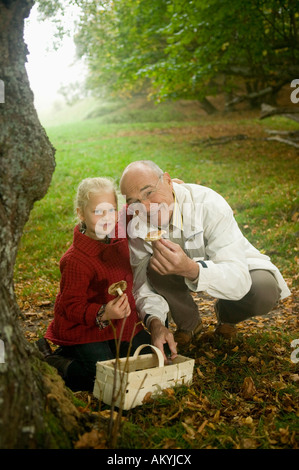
(189, 49)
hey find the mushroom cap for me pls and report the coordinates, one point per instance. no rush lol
(154, 236)
(117, 285)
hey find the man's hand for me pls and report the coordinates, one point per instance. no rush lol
(177, 180)
(160, 336)
(169, 258)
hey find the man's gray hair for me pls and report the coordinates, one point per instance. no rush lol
(148, 163)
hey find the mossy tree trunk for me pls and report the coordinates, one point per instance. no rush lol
(35, 408)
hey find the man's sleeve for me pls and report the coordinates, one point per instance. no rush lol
(224, 271)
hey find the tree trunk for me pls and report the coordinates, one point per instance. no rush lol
(207, 106)
(32, 396)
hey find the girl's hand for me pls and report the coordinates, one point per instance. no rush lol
(117, 308)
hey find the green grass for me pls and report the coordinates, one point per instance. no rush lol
(260, 181)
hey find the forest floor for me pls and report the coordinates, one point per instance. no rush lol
(244, 392)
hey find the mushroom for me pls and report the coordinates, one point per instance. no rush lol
(117, 288)
(154, 236)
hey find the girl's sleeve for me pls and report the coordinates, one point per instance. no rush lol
(73, 300)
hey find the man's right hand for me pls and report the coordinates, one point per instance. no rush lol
(160, 336)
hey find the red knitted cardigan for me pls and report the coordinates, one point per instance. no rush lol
(88, 268)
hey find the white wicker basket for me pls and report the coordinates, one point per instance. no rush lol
(137, 375)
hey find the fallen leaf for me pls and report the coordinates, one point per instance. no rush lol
(168, 391)
(249, 443)
(253, 359)
(216, 416)
(284, 435)
(248, 420)
(202, 426)
(44, 303)
(106, 414)
(257, 399)
(295, 377)
(147, 398)
(91, 440)
(248, 389)
(190, 431)
(169, 444)
(199, 372)
(210, 355)
(279, 385)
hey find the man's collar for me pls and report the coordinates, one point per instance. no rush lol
(187, 214)
(176, 220)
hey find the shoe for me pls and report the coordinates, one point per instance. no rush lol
(44, 347)
(226, 330)
(60, 363)
(184, 337)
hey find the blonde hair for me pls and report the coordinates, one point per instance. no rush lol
(94, 186)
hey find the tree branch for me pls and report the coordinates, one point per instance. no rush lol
(268, 111)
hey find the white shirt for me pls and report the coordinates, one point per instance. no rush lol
(211, 237)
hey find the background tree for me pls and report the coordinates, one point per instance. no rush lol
(238, 46)
(35, 409)
(191, 49)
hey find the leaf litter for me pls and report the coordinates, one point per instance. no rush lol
(244, 393)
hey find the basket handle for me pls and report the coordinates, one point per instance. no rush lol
(157, 351)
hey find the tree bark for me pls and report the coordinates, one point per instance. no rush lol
(32, 397)
(286, 111)
(207, 106)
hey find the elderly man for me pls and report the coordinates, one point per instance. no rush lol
(202, 250)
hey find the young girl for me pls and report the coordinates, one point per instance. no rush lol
(84, 310)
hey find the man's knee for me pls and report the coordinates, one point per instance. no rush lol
(264, 293)
(165, 284)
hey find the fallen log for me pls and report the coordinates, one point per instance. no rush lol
(284, 141)
(290, 112)
(291, 137)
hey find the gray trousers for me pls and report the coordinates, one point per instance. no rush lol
(262, 297)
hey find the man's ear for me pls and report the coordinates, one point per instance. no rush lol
(167, 179)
